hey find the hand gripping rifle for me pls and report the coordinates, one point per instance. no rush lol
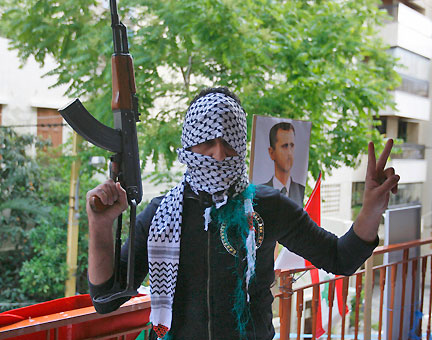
(122, 140)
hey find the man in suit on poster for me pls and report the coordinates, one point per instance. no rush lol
(281, 151)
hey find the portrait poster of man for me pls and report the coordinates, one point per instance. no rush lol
(280, 154)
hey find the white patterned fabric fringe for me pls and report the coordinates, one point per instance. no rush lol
(250, 247)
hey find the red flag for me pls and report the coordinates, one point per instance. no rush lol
(313, 208)
(313, 205)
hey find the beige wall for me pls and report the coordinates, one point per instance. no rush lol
(24, 89)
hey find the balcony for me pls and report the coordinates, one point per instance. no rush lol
(74, 318)
(409, 151)
(409, 106)
(414, 86)
(411, 64)
(409, 170)
(409, 30)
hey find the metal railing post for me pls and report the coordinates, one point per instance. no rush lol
(285, 305)
(367, 314)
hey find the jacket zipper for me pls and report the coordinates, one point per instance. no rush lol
(208, 285)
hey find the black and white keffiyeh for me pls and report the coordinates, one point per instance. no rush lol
(214, 115)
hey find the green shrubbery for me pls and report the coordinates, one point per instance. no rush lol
(20, 209)
(33, 219)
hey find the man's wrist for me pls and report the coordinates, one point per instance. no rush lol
(366, 227)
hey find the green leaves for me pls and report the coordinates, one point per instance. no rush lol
(43, 275)
(314, 60)
(20, 207)
(34, 215)
(18, 185)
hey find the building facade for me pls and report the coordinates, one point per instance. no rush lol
(28, 102)
(409, 35)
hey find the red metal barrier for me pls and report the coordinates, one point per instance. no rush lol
(74, 318)
(290, 293)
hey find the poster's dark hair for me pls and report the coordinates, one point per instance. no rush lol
(273, 131)
(222, 89)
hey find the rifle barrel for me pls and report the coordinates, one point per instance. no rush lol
(114, 14)
(119, 31)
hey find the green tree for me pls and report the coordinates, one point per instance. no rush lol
(33, 218)
(314, 60)
(20, 208)
(43, 274)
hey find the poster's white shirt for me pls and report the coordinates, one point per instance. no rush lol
(278, 185)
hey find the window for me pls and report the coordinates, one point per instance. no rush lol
(407, 193)
(356, 198)
(382, 127)
(390, 8)
(415, 86)
(403, 130)
(49, 125)
(357, 193)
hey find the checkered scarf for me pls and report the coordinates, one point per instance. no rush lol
(212, 116)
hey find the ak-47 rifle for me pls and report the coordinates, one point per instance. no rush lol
(122, 140)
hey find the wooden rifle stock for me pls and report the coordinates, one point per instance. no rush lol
(123, 82)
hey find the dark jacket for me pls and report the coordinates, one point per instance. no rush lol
(206, 280)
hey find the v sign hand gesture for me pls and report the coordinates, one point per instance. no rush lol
(380, 181)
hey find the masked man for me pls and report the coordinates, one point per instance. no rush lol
(208, 243)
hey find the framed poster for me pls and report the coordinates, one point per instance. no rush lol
(280, 154)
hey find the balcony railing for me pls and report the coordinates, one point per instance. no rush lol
(409, 151)
(363, 283)
(74, 318)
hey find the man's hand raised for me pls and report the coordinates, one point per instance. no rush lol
(101, 247)
(380, 181)
(112, 196)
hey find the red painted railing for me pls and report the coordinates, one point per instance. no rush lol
(75, 318)
(292, 297)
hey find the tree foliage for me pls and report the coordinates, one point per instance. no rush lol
(311, 60)
(19, 182)
(43, 274)
(34, 215)
(20, 207)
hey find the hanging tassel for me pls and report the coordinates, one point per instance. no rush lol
(250, 245)
(207, 218)
(237, 215)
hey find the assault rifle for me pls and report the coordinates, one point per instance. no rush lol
(122, 140)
